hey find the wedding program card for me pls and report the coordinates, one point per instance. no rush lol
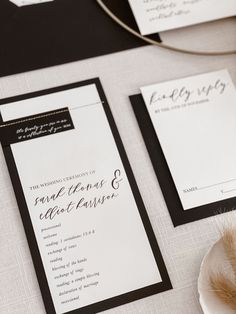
(91, 241)
(160, 15)
(189, 131)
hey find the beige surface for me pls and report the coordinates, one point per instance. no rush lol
(121, 75)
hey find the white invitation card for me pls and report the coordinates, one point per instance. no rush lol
(154, 16)
(21, 3)
(194, 120)
(89, 234)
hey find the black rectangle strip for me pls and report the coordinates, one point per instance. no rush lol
(35, 126)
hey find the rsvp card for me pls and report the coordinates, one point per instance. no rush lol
(91, 241)
(190, 138)
(154, 16)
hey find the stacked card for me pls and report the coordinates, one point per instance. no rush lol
(91, 241)
(189, 128)
(160, 15)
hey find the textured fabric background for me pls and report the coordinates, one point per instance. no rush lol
(121, 75)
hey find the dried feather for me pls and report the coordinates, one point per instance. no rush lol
(229, 243)
(224, 289)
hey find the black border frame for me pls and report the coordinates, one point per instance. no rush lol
(178, 215)
(40, 272)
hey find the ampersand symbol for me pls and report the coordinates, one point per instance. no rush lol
(116, 181)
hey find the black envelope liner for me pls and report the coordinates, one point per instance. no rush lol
(178, 215)
(31, 127)
(61, 31)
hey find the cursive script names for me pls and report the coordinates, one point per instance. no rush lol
(75, 196)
